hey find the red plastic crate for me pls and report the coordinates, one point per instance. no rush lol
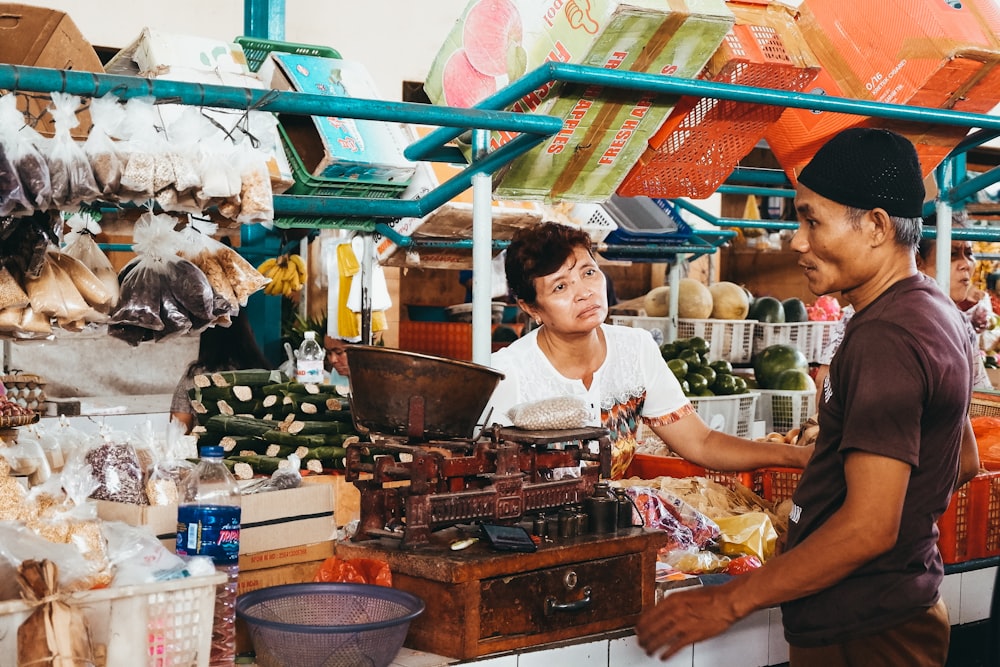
(776, 484)
(650, 466)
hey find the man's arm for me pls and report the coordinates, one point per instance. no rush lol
(865, 526)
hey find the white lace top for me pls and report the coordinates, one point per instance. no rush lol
(633, 383)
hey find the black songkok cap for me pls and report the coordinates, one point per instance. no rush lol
(868, 168)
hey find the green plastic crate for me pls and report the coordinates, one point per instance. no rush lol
(256, 50)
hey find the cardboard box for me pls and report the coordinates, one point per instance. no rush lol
(346, 497)
(303, 553)
(604, 132)
(45, 38)
(329, 147)
(158, 55)
(270, 520)
(929, 54)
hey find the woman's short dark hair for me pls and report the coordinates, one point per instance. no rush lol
(539, 251)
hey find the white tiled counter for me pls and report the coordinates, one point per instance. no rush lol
(756, 641)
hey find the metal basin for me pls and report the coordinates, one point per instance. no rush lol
(419, 396)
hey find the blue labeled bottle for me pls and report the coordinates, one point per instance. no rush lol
(208, 524)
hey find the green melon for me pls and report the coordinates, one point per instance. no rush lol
(767, 309)
(773, 359)
(794, 379)
(795, 310)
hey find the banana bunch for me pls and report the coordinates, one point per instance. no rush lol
(287, 274)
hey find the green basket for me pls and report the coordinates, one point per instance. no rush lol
(256, 50)
(308, 184)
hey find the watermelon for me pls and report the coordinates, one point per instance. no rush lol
(795, 310)
(767, 309)
(794, 379)
(773, 359)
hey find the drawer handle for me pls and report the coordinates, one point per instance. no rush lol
(552, 606)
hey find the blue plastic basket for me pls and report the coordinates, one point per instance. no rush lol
(327, 624)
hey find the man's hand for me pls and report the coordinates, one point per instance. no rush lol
(686, 617)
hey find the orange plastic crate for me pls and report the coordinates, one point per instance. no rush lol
(703, 139)
(914, 52)
(970, 527)
(650, 466)
(776, 484)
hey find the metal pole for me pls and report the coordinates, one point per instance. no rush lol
(482, 255)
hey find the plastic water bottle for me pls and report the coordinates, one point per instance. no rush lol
(208, 524)
(309, 360)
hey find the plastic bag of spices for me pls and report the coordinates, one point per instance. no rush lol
(70, 173)
(21, 143)
(138, 130)
(80, 244)
(107, 114)
(162, 294)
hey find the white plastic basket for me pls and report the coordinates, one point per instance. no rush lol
(782, 410)
(657, 326)
(799, 335)
(164, 624)
(730, 414)
(731, 340)
(810, 338)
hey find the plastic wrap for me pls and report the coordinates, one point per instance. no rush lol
(80, 244)
(559, 412)
(20, 144)
(70, 172)
(106, 113)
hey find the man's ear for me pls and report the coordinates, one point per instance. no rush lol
(882, 229)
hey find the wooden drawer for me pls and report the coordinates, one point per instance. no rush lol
(561, 597)
(481, 601)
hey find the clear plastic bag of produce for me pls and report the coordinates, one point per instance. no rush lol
(70, 173)
(54, 295)
(559, 412)
(20, 144)
(256, 197)
(80, 245)
(203, 250)
(162, 294)
(107, 114)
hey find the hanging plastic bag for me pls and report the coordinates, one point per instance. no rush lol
(80, 245)
(256, 198)
(20, 144)
(107, 114)
(70, 173)
(162, 294)
(138, 150)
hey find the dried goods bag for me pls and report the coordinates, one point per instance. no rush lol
(138, 147)
(256, 203)
(559, 412)
(80, 244)
(70, 174)
(106, 113)
(21, 143)
(56, 632)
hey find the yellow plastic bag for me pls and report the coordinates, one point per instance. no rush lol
(749, 533)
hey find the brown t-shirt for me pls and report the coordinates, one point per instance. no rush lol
(899, 386)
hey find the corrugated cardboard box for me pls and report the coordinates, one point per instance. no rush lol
(45, 38)
(357, 149)
(930, 54)
(270, 520)
(604, 132)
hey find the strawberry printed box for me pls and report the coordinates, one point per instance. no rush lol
(339, 148)
(495, 42)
